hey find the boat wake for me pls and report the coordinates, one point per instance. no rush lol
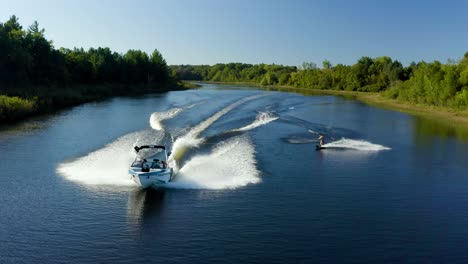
(157, 118)
(106, 166)
(192, 139)
(226, 164)
(231, 164)
(262, 118)
(299, 140)
(353, 144)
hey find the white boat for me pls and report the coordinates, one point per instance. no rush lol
(150, 166)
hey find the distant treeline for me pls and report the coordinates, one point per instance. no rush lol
(44, 77)
(433, 83)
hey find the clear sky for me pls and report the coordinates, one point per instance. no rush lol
(255, 31)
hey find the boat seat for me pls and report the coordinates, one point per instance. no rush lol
(155, 165)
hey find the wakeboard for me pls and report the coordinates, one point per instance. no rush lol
(317, 147)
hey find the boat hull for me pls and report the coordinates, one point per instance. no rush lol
(153, 178)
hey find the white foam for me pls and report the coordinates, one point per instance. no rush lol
(157, 117)
(108, 165)
(262, 118)
(361, 145)
(191, 138)
(205, 124)
(230, 165)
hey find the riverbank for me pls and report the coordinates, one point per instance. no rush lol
(19, 104)
(443, 115)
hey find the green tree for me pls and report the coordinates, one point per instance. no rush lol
(326, 64)
(136, 67)
(159, 70)
(15, 60)
(308, 66)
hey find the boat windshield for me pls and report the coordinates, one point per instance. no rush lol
(137, 163)
(154, 158)
(151, 154)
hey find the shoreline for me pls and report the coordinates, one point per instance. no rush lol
(55, 100)
(442, 115)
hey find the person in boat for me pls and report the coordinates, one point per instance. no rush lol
(164, 164)
(145, 166)
(155, 164)
(321, 141)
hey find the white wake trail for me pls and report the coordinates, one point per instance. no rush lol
(205, 124)
(191, 139)
(157, 118)
(361, 145)
(230, 165)
(108, 165)
(262, 118)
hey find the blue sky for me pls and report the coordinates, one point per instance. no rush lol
(255, 31)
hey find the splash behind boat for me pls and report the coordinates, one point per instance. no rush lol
(150, 166)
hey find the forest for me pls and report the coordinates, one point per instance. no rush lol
(434, 83)
(35, 76)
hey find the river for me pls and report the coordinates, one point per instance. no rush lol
(250, 186)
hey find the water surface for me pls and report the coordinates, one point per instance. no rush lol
(250, 185)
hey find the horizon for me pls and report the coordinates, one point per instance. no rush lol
(209, 32)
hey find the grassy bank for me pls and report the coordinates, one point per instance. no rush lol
(443, 115)
(20, 103)
(15, 108)
(188, 85)
(236, 83)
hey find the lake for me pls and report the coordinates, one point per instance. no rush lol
(250, 186)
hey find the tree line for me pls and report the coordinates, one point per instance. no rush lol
(36, 77)
(426, 83)
(27, 58)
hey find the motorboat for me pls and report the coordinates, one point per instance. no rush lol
(150, 167)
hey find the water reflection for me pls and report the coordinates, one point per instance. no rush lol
(24, 128)
(438, 145)
(424, 127)
(144, 204)
(302, 91)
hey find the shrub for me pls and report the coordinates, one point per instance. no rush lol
(12, 108)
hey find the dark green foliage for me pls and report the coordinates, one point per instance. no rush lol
(30, 67)
(236, 72)
(434, 83)
(159, 71)
(27, 58)
(366, 75)
(12, 108)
